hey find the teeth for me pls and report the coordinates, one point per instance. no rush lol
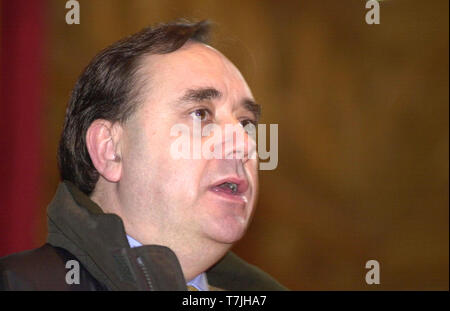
(232, 186)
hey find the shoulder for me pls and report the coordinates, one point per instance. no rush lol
(30, 270)
(233, 273)
(43, 268)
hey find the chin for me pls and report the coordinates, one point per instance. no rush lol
(227, 231)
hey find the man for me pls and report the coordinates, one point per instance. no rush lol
(131, 215)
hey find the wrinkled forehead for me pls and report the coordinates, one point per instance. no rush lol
(193, 65)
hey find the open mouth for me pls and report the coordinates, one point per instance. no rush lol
(231, 188)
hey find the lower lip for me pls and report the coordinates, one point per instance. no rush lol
(229, 196)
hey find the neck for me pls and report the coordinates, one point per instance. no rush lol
(195, 255)
(197, 260)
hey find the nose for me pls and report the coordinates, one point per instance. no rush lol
(238, 143)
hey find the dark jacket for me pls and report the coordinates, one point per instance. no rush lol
(79, 230)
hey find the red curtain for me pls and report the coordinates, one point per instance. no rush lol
(21, 107)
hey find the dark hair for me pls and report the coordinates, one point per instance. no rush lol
(108, 89)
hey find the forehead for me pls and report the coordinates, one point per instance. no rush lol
(195, 65)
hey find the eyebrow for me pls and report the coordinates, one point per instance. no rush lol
(201, 94)
(253, 107)
(211, 93)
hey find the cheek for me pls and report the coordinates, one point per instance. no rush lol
(252, 171)
(177, 181)
(181, 180)
(251, 167)
(144, 160)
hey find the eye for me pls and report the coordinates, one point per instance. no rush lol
(249, 126)
(200, 114)
(246, 122)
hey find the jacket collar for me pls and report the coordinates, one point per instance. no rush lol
(98, 240)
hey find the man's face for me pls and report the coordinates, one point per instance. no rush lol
(171, 201)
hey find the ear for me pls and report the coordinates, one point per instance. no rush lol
(102, 142)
